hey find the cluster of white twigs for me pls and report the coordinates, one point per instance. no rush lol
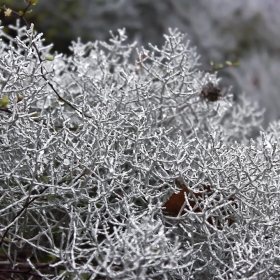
(91, 146)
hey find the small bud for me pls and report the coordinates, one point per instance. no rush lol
(4, 101)
(49, 58)
(19, 98)
(33, 2)
(8, 12)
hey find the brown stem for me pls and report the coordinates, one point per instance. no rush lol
(18, 214)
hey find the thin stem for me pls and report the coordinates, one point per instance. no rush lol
(18, 214)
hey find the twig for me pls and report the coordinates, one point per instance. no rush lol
(18, 214)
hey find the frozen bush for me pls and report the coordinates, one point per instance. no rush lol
(91, 147)
(222, 30)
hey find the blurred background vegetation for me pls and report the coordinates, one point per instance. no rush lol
(245, 31)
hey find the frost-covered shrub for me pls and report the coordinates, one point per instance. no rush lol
(91, 147)
(221, 30)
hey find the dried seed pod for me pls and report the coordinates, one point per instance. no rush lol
(196, 203)
(211, 92)
(195, 199)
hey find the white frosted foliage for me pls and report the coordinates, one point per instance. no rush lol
(84, 177)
